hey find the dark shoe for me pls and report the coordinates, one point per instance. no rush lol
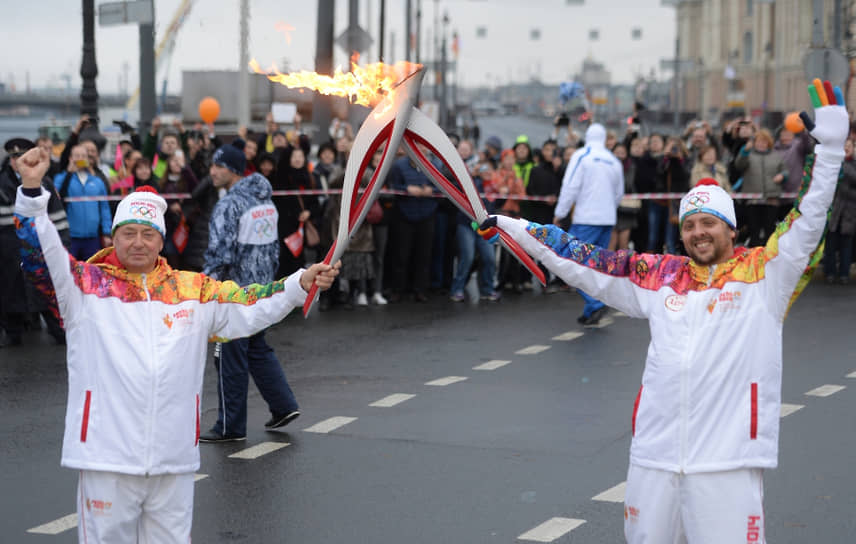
(492, 297)
(216, 436)
(394, 298)
(420, 297)
(582, 319)
(276, 422)
(595, 317)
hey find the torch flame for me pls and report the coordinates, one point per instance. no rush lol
(363, 85)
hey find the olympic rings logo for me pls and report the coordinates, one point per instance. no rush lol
(263, 228)
(698, 200)
(144, 212)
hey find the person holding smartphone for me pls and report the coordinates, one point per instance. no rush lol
(89, 222)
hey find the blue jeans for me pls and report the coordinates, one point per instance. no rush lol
(599, 236)
(438, 255)
(468, 242)
(240, 359)
(842, 245)
(658, 224)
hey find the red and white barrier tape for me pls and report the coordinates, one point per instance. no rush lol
(490, 196)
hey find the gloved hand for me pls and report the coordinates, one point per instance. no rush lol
(831, 124)
(487, 229)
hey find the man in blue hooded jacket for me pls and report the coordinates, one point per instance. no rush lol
(243, 246)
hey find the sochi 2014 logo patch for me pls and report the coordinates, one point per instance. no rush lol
(698, 199)
(675, 303)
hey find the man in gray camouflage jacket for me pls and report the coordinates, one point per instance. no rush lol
(243, 246)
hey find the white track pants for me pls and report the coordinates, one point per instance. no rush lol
(662, 507)
(123, 508)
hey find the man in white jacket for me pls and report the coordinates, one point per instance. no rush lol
(137, 333)
(706, 420)
(593, 186)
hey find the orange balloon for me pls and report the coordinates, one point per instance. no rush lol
(209, 109)
(793, 123)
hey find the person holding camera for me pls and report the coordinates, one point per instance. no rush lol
(763, 171)
(89, 222)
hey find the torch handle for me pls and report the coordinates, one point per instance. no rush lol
(524, 258)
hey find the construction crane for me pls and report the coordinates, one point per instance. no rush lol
(163, 53)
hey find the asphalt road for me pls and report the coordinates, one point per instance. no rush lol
(486, 459)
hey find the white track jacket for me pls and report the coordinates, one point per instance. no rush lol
(593, 183)
(711, 388)
(137, 347)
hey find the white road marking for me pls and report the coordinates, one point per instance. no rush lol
(572, 335)
(613, 494)
(551, 529)
(197, 477)
(56, 526)
(258, 450)
(825, 390)
(788, 409)
(852, 375)
(392, 400)
(532, 350)
(446, 381)
(491, 365)
(619, 314)
(330, 424)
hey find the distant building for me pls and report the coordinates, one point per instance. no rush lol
(748, 54)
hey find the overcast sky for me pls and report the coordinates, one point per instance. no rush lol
(45, 38)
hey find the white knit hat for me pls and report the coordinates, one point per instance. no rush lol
(708, 197)
(143, 207)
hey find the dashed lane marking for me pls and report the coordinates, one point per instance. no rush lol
(56, 526)
(532, 350)
(258, 450)
(613, 494)
(825, 390)
(551, 529)
(619, 314)
(197, 477)
(852, 375)
(448, 380)
(392, 400)
(329, 425)
(491, 365)
(566, 336)
(788, 409)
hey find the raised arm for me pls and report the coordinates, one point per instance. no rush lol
(795, 246)
(41, 244)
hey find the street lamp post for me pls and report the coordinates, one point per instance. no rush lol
(88, 66)
(89, 71)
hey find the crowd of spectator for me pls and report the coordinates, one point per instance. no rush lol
(416, 244)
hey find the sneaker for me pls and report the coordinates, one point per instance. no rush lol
(362, 300)
(213, 436)
(276, 422)
(378, 299)
(457, 297)
(594, 319)
(493, 296)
